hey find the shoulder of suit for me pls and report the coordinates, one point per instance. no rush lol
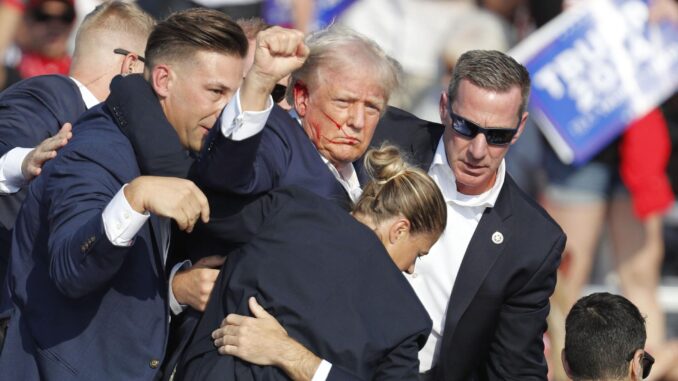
(58, 93)
(50, 83)
(527, 208)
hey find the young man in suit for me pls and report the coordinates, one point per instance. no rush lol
(605, 340)
(487, 281)
(83, 257)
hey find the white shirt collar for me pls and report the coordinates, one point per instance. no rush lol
(348, 178)
(440, 170)
(87, 96)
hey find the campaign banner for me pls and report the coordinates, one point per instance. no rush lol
(596, 68)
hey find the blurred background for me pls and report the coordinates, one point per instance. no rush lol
(618, 211)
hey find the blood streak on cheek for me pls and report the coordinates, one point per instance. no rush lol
(316, 129)
(337, 125)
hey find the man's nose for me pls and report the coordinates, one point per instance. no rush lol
(356, 116)
(478, 146)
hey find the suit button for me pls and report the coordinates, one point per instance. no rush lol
(154, 363)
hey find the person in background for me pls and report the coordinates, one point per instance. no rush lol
(605, 340)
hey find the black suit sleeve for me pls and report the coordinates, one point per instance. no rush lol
(517, 351)
(156, 144)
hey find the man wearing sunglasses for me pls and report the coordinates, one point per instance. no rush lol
(605, 340)
(487, 282)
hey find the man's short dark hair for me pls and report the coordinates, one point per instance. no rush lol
(183, 33)
(602, 331)
(491, 70)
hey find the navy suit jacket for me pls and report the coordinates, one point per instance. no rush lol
(496, 315)
(236, 173)
(83, 309)
(327, 279)
(30, 112)
(281, 155)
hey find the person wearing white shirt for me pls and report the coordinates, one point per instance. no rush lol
(35, 114)
(487, 281)
(95, 246)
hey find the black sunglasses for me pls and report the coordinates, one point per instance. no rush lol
(40, 16)
(126, 52)
(646, 362)
(493, 136)
(278, 93)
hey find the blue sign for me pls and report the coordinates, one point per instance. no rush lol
(595, 69)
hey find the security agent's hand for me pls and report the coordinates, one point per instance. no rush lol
(279, 52)
(45, 151)
(261, 340)
(194, 285)
(171, 197)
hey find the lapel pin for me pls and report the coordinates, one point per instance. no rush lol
(497, 238)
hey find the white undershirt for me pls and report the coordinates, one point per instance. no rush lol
(347, 177)
(435, 274)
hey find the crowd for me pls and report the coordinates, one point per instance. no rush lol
(202, 198)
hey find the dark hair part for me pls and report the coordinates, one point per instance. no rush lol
(601, 331)
(490, 70)
(398, 188)
(183, 33)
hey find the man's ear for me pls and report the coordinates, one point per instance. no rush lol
(161, 78)
(444, 109)
(300, 92)
(131, 64)
(636, 367)
(521, 126)
(400, 228)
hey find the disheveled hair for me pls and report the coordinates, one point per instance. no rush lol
(338, 48)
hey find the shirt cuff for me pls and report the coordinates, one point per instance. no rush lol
(121, 222)
(239, 125)
(175, 306)
(322, 372)
(11, 177)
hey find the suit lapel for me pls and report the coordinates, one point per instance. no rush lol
(481, 254)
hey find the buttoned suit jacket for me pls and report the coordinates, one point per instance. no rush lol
(496, 314)
(327, 279)
(84, 309)
(30, 112)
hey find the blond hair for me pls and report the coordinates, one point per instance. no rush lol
(113, 24)
(400, 189)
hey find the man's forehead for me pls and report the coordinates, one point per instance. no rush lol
(347, 83)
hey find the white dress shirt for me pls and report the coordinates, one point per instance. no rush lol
(435, 274)
(347, 177)
(11, 177)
